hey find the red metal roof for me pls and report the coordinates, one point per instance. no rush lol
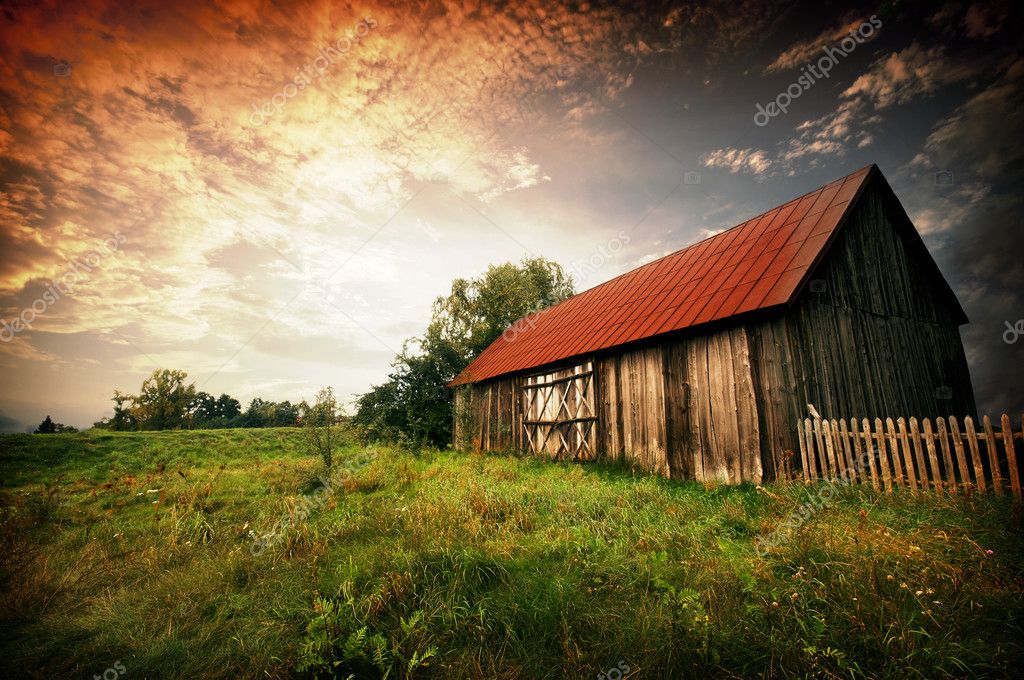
(758, 264)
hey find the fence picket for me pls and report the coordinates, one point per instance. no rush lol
(856, 451)
(803, 450)
(883, 455)
(947, 458)
(835, 449)
(812, 455)
(908, 458)
(869, 451)
(1011, 455)
(993, 456)
(894, 450)
(812, 461)
(825, 474)
(919, 457)
(932, 458)
(972, 443)
(844, 436)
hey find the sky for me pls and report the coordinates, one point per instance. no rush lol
(270, 195)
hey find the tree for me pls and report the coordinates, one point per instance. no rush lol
(164, 401)
(414, 405)
(46, 427)
(123, 419)
(228, 408)
(320, 426)
(203, 410)
(50, 427)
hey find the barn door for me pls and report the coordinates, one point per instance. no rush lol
(559, 418)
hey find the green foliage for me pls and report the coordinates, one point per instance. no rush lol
(50, 427)
(414, 406)
(438, 564)
(166, 402)
(163, 401)
(321, 426)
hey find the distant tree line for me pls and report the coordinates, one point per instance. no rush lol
(415, 406)
(166, 401)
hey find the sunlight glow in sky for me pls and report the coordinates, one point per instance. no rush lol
(290, 185)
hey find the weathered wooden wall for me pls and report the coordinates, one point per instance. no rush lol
(873, 336)
(870, 337)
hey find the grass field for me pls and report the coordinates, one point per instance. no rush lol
(131, 554)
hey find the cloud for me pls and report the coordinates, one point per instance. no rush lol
(897, 78)
(805, 51)
(907, 74)
(738, 160)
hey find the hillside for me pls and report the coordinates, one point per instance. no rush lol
(136, 549)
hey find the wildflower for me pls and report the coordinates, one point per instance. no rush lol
(929, 591)
(919, 593)
(889, 577)
(903, 585)
(794, 596)
(989, 552)
(775, 604)
(854, 599)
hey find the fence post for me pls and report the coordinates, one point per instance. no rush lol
(961, 459)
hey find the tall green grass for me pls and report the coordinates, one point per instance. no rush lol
(135, 547)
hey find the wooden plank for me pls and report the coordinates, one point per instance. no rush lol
(812, 455)
(869, 451)
(835, 448)
(851, 467)
(1011, 455)
(951, 472)
(826, 435)
(897, 465)
(947, 456)
(825, 471)
(908, 457)
(803, 451)
(563, 421)
(932, 458)
(993, 456)
(922, 474)
(972, 443)
(883, 455)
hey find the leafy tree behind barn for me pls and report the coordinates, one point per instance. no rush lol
(414, 405)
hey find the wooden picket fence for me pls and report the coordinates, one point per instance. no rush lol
(918, 456)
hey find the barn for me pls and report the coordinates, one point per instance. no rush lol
(699, 364)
